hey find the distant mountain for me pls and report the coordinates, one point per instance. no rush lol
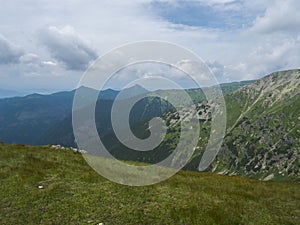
(108, 94)
(5, 93)
(133, 91)
(144, 110)
(27, 119)
(62, 133)
(41, 119)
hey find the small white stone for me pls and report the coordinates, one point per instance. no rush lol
(269, 177)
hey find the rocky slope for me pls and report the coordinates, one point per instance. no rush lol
(263, 129)
(263, 136)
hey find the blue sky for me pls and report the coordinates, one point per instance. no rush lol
(197, 14)
(49, 44)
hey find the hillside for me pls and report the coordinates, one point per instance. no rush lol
(263, 131)
(262, 138)
(263, 135)
(71, 192)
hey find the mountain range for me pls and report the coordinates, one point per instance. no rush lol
(261, 141)
(5, 93)
(42, 119)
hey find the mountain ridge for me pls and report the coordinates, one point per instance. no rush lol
(262, 137)
(27, 119)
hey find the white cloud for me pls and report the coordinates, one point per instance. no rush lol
(283, 55)
(281, 16)
(66, 46)
(269, 40)
(212, 2)
(9, 52)
(29, 58)
(207, 2)
(49, 63)
(193, 68)
(266, 58)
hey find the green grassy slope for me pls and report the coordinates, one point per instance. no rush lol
(74, 194)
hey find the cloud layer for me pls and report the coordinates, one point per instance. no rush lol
(239, 39)
(9, 52)
(68, 47)
(281, 16)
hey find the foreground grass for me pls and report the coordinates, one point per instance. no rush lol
(74, 194)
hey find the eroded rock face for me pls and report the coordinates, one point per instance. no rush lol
(264, 138)
(263, 129)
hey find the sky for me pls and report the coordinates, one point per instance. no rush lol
(48, 44)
